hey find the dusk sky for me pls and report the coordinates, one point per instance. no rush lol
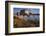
(33, 10)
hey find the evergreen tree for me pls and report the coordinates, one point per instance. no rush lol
(22, 12)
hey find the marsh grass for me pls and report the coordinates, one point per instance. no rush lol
(22, 23)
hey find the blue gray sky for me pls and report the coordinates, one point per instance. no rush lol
(33, 10)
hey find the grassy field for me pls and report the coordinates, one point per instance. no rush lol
(22, 23)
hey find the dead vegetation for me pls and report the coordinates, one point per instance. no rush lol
(22, 23)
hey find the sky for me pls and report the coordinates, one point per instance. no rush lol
(33, 10)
